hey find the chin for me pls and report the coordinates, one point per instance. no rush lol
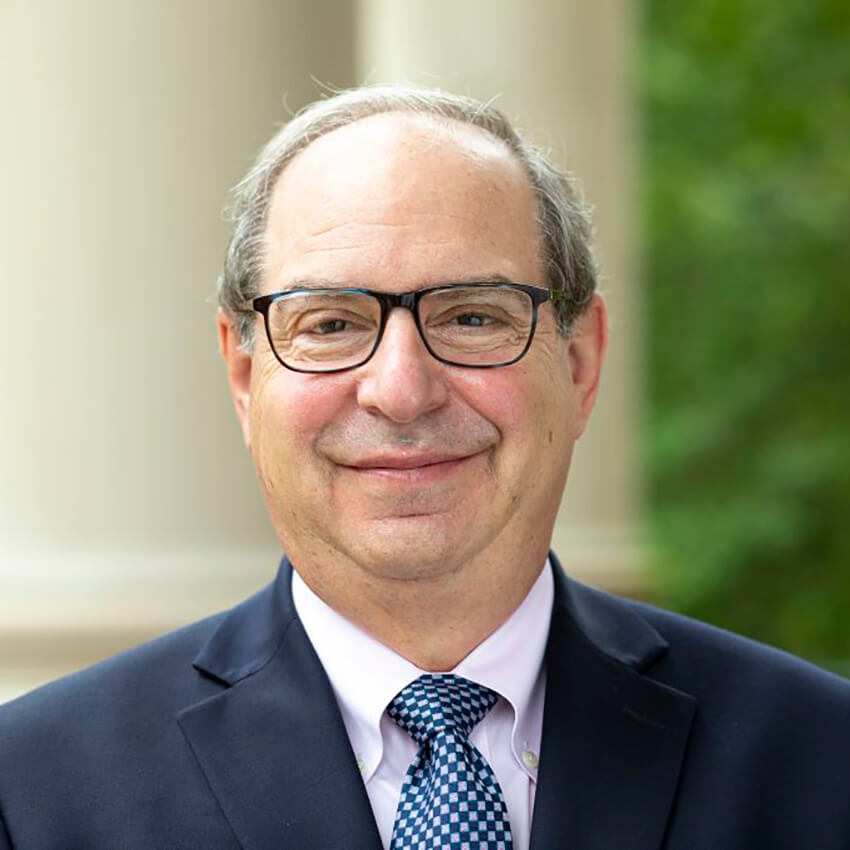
(414, 547)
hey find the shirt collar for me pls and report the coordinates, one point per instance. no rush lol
(365, 674)
(510, 662)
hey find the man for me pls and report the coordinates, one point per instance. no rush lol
(413, 346)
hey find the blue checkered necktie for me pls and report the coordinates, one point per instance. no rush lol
(450, 796)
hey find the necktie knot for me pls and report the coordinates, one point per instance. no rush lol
(440, 703)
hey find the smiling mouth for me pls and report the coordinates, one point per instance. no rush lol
(412, 469)
(407, 461)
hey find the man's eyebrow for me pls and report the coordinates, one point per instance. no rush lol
(315, 283)
(483, 278)
(328, 283)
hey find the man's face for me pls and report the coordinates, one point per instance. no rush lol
(405, 467)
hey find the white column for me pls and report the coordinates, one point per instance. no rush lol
(561, 69)
(127, 503)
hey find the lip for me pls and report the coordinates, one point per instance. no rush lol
(406, 461)
(410, 468)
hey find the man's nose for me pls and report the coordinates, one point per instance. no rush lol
(402, 381)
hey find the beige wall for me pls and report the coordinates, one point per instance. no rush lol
(127, 503)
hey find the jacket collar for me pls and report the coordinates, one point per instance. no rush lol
(250, 634)
(272, 744)
(613, 738)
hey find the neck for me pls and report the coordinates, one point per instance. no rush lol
(433, 622)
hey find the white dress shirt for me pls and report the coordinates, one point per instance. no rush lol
(365, 675)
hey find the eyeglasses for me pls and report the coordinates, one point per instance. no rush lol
(480, 325)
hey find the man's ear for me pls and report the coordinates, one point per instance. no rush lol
(587, 346)
(238, 369)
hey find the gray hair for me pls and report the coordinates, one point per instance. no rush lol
(562, 218)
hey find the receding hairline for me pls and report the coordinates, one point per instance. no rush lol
(407, 129)
(478, 143)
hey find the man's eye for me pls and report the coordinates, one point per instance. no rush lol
(327, 323)
(330, 326)
(473, 320)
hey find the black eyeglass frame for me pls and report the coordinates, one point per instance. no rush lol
(410, 301)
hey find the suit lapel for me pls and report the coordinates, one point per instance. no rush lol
(272, 745)
(613, 739)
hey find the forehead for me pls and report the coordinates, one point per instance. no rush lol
(401, 197)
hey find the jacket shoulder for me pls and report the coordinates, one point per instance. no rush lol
(151, 676)
(701, 657)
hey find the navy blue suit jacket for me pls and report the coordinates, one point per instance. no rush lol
(658, 732)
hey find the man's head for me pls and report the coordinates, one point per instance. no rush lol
(407, 470)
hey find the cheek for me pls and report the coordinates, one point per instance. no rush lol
(528, 408)
(288, 412)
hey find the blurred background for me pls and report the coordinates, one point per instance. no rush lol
(711, 139)
(745, 245)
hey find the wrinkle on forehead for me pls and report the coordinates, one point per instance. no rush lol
(349, 236)
(408, 221)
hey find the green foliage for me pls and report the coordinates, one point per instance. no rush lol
(746, 207)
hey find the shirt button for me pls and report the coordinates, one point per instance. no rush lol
(361, 764)
(530, 760)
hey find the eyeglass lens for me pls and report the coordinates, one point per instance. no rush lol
(326, 330)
